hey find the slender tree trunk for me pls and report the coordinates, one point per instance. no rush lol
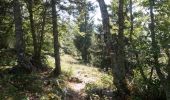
(131, 21)
(20, 45)
(36, 54)
(150, 77)
(117, 62)
(154, 43)
(120, 55)
(140, 68)
(57, 69)
(155, 50)
(42, 30)
(168, 78)
(107, 35)
(167, 90)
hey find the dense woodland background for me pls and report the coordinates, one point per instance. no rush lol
(50, 48)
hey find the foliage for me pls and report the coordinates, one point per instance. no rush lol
(83, 39)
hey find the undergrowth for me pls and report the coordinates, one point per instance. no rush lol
(40, 86)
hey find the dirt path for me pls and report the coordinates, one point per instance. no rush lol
(77, 84)
(81, 75)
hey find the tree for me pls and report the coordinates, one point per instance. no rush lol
(24, 64)
(85, 23)
(41, 37)
(6, 25)
(131, 20)
(106, 31)
(20, 46)
(36, 53)
(57, 69)
(156, 51)
(120, 53)
(37, 34)
(117, 60)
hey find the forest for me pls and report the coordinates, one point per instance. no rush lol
(84, 49)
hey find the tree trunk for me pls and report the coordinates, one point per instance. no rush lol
(140, 68)
(84, 55)
(57, 69)
(107, 35)
(155, 48)
(117, 62)
(168, 78)
(167, 90)
(36, 54)
(41, 40)
(20, 45)
(131, 21)
(120, 54)
(155, 51)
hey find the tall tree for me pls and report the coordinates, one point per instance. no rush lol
(106, 30)
(131, 20)
(20, 45)
(85, 23)
(120, 53)
(36, 54)
(57, 69)
(168, 78)
(155, 52)
(155, 49)
(41, 37)
(117, 60)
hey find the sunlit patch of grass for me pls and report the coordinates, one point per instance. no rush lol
(37, 85)
(105, 82)
(50, 61)
(89, 74)
(92, 77)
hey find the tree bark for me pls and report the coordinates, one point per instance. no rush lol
(131, 21)
(36, 54)
(117, 59)
(154, 43)
(57, 69)
(106, 31)
(120, 54)
(41, 41)
(20, 45)
(168, 78)
(140, 68)
(155, 51)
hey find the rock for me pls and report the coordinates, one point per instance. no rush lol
(75, 79)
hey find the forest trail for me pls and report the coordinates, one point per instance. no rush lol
(81, 75)
(75, 83)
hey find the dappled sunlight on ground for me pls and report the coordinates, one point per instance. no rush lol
(74, 82)
(81, 75)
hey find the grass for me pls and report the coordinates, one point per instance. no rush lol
(14, 87)
(92, 76)
(39, 86)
